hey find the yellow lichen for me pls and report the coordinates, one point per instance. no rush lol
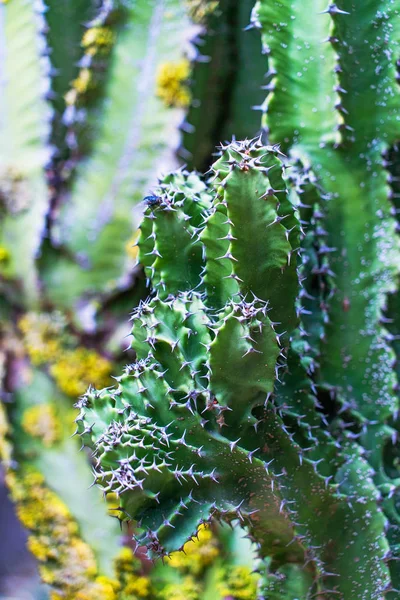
(41, 548)
(171, 83)
(84, 82)
(200, 9)
(76, 369)
(197, 554)
(133, 585)
(5, 446)
(42, 336)
(65, 560)
(138, 586)
(4, 256)
(98, 39)
(102, 588)
(41, 421)
(131, 246)
(124, 559)
(189, 589)
(238, 583)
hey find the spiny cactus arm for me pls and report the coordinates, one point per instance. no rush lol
(175, 333)
(25, 117)
(363, 143)
(122, 164)
(171, 504)
(226, 80)
(315, 270)
(169, 245)
(360, 293)
(263, 228)
(249, 68)
(298, 61)
(170, 495)
(345, 175)
(351, 497)
(377, 118)
(85, 93)
(245, 341)
(210, 81)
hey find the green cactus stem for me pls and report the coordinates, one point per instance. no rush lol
(25, 134)
(197, 427)
(342, 131)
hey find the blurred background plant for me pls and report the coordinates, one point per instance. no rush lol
(97, 99)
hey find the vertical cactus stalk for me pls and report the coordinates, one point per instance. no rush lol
(342, 130)
(152, 37)
(198, 426)
(25, 118)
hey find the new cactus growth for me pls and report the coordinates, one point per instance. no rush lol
(217, 417)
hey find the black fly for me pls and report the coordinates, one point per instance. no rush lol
(152, 200)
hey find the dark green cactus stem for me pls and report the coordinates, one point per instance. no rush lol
(341, 131)
(227, 75)
(216, 417)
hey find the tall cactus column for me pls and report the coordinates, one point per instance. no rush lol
(334, 102)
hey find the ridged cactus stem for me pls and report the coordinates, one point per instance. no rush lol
(217, 416)
(341, 131)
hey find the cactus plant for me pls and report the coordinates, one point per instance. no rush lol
(218, 417)
(65, 68)
(328, 376)
(264, 388)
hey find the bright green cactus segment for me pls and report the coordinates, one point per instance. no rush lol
(298, 61)
(203, 424)
(25, 117)
(135, 126)
(169, 244)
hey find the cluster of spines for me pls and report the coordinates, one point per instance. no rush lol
(316, 275)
